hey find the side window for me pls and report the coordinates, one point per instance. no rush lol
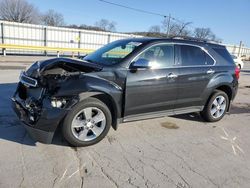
(224, 54)
(209, 60)
(192, 55)
(159, 56)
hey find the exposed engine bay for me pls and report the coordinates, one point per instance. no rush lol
(43, 79)
(52, 79)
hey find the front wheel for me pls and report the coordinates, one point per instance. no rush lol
(87, 123)
(216, 107)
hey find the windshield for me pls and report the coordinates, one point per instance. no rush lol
(113, 52)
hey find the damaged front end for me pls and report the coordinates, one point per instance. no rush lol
(36, 100)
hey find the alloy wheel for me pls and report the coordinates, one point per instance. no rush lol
(218, 107)
(88, 124)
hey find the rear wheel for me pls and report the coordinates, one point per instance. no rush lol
(87, 123)
(216, 107)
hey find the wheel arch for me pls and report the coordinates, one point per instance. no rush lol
(107, 100)
(225, 88)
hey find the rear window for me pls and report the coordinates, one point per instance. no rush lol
(224, 54)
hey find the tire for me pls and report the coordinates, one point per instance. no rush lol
(81, 126)
(213, 113)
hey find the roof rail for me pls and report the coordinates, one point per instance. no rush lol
(189, 38)
(194, 39)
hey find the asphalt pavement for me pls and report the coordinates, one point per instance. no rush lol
(181, 151)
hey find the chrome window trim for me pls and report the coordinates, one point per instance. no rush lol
(26, 83)
(203, 49)
(177, 43)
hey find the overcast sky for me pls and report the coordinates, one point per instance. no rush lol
(228, 19)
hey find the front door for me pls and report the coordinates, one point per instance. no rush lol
(153, 88)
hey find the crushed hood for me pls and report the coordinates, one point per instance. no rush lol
(39, 67)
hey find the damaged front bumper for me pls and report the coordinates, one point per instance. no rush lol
(41, 124)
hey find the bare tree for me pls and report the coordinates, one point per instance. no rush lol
(86, 27)
(155, 29)
(53, 18)
(106, 25)
(18, 11)
(205, 33)
(174, 28)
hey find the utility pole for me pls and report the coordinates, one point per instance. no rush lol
(45, 40)
(2, 31)
(79, 42)
(240, 48)
(169, 19)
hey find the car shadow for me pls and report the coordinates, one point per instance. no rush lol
(240, 109)
(190, 117)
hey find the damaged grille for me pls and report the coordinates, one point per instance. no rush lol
(28, 81)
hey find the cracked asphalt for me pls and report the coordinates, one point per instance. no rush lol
(181, 151)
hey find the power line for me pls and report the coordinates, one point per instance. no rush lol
(143, 11)
(149, 12)
(135, 9)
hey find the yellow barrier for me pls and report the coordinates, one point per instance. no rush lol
(44, 48)
(58, 50)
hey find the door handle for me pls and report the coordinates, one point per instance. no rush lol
(172, 75)
(210, 71)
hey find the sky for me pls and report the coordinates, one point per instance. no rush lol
(228, 19)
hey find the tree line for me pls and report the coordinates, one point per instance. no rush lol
(24, 12)
(171, 28)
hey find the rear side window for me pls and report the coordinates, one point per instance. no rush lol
(193, 56)
(224, 53)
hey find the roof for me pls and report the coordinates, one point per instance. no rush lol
(188, 40)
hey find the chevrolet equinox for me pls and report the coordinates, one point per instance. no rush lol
(126, 80)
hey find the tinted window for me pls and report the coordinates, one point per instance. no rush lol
(191, 55)
(159, 56)
(209, 60)
(224, 53)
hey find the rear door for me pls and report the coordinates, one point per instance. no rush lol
(152, 89)
(196, 68)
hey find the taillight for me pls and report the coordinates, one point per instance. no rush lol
(237, 72)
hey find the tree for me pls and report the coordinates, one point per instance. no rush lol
(53, 18)
(86, 27)
(155, 29)
(174, 28)
(18, 11)
(106, 25)
(205, 33)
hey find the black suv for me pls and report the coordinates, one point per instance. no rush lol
(125, 80)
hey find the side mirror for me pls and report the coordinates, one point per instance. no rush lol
(140, 63)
